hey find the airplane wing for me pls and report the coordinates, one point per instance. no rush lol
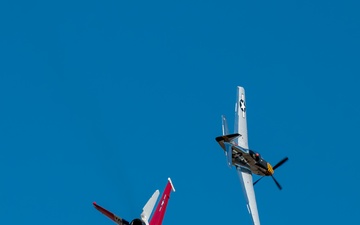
(240, 118)
(244, 173)
(111, 215)
(248, 189)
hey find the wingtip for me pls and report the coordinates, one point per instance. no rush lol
(240, 87)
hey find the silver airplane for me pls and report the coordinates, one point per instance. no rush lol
(246, 161)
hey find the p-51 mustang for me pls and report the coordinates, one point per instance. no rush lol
(245, 160)
(159, 213)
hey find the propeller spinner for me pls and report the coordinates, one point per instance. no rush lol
(274, 168)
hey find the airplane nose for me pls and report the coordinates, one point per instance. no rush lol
(270, 169)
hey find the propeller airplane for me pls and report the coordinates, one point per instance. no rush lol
(246, 161)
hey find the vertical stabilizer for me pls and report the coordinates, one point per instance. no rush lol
(224, 126)
(161, 207)
(240, 118)
(228, 153)
(228, 149)
(149, 206)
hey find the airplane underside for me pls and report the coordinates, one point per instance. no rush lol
(239, 160)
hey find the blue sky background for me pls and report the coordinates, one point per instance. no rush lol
(103, 100)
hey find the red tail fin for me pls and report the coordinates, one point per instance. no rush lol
(161, 207)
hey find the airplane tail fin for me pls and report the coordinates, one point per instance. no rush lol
(149, 206)
(161, 207)
(228, 154)
(224, 125)
(226, 140)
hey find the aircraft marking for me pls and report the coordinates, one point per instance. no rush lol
(162, 203)
(242, 106)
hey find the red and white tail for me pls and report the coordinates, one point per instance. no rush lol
(159, 213)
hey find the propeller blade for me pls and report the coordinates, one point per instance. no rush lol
(258, 180)
(280, 163)
(277, 183)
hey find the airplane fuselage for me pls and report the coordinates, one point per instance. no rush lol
(251, 159)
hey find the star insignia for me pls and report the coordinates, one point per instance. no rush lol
(242, 105)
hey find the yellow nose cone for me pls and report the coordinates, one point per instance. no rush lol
(270, 169)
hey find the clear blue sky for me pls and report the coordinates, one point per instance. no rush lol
(104, 100)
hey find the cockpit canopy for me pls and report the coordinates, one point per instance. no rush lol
(255, 155)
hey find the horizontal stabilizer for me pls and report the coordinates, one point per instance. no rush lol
(172, 186)
(111, 215)
(227, 138)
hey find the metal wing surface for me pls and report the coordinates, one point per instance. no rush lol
(248, 189)
(240, 118)
(243, 171)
